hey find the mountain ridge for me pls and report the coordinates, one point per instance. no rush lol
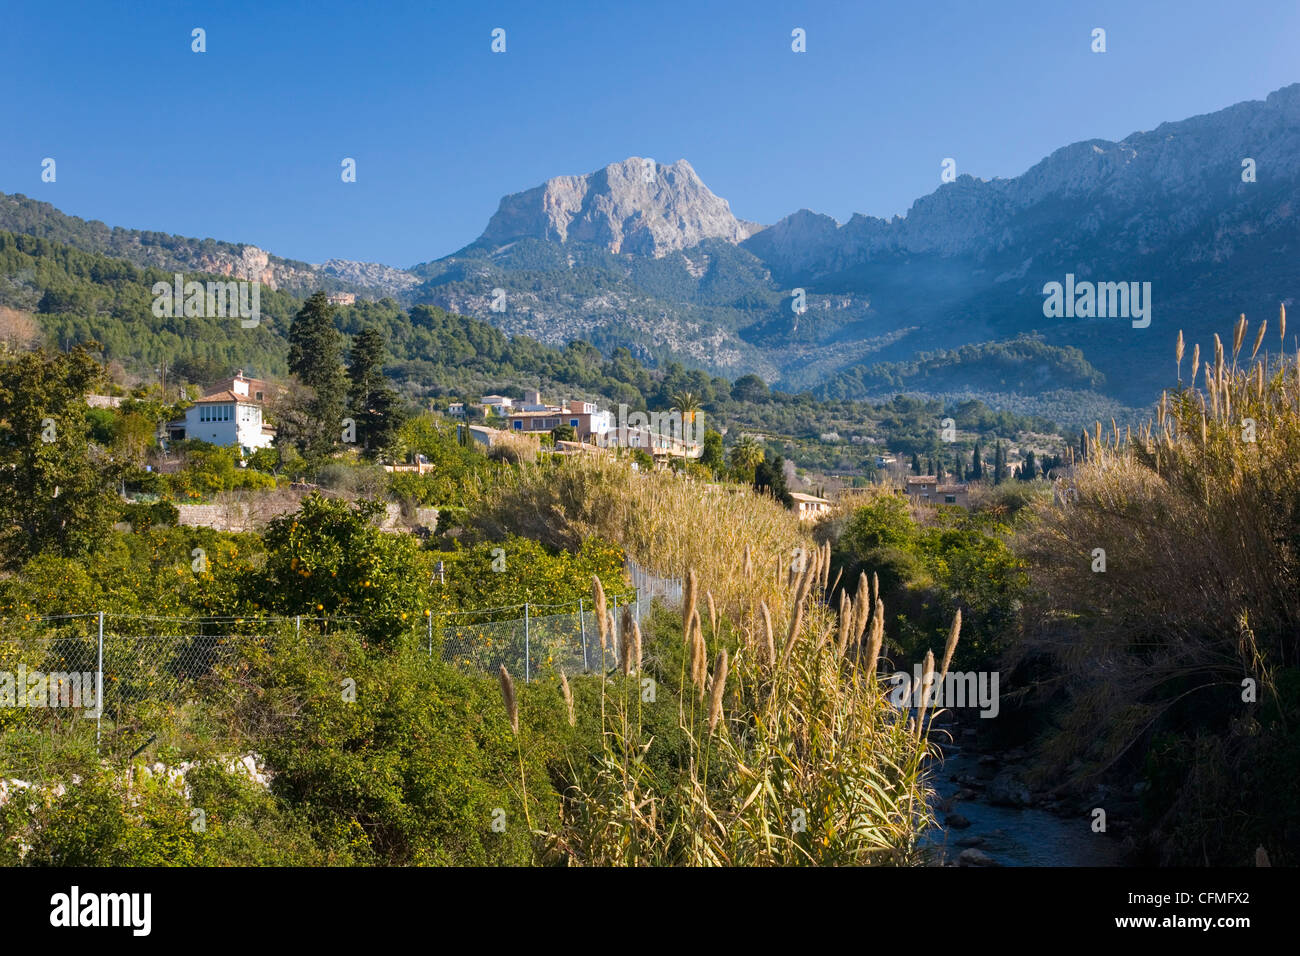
(644, 255)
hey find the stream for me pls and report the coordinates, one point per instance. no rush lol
(967, 786)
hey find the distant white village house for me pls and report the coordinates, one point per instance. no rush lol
(809, 507)
(496, 404)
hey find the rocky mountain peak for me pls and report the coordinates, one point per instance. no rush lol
(636, 206)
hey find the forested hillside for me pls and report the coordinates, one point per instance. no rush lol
(80, 297)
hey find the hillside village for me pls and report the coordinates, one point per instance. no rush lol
(237, 413)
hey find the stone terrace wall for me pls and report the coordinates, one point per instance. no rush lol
(253, 512)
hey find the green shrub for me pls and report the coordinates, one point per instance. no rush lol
(415, 768)
(143, 516)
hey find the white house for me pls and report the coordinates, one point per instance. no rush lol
(809, 507)
(230, 416)
(496, 404)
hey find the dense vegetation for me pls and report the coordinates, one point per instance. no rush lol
(1168, 666)
(318, 723)
(1163, 637)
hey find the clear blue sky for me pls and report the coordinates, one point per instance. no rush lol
(244, 142)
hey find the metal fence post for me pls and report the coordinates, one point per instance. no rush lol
(613, 632)
(297, 626)
(99, 684)
(429, 617)
(582, 626)
(527, 665)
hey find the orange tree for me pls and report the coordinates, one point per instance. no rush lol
(329, 558)
(506, 574)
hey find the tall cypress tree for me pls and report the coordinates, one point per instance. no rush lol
(316, 359)
(372, 401)
(999, 463)
(916, 464)
(1029, 469)
(769, 476)
(976, 466)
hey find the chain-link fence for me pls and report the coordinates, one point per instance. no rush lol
(545, 637)
(651, 586)
(107, 682)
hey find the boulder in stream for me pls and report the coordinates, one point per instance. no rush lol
(1008, 790)
(974, 857)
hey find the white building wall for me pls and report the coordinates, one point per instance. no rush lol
(243, 428)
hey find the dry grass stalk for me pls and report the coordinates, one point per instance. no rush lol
(927, 687)
(625, 640)
(567, 693)
(951, 647)
(688, 602)
(863, 608)
(719, 686)
(702, 656)
(698, 652)
(847, 615)
(508, 698)
(636, 647)
(598, 591)
(796, 621)
(769, 641)
(877, 639)
(713, 613)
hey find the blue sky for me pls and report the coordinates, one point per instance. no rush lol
(244, 142)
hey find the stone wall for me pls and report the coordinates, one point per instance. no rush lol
(253, 512)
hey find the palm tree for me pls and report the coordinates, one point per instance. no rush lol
(746, 454)
(687, 403)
